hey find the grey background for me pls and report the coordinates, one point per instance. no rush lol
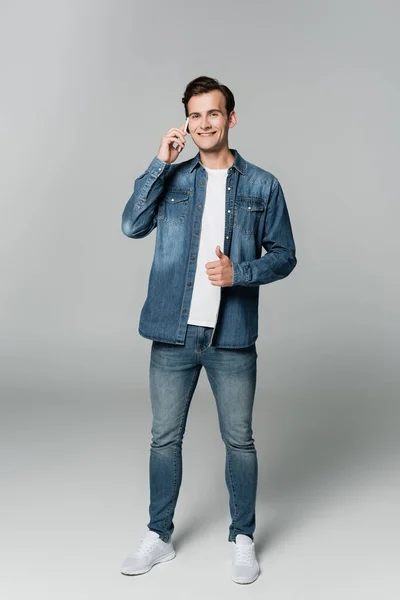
(87, 90)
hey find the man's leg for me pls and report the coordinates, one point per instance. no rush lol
(174, 373)
(232, 376)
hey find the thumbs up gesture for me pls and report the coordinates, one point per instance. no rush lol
(220, 272)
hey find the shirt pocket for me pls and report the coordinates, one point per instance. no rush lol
(173, 206)
(247, 214)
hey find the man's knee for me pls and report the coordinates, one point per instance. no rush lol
(240, 438)
(164, 435)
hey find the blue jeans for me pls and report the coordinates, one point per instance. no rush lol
(174, 372)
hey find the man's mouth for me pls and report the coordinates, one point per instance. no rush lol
(207, 134)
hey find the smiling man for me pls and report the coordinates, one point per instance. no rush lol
(213, 214)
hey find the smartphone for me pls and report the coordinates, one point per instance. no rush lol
(185, 129)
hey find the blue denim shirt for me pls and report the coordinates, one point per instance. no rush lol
(170, 198)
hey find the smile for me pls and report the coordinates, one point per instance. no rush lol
(207, 134)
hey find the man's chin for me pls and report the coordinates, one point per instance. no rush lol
(206, 147)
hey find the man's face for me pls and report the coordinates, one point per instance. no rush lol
(207, 115)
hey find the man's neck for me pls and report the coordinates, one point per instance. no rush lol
(221, 159)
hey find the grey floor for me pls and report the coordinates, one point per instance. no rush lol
(75, 495)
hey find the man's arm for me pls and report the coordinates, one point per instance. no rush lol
(278, 241)
(139, 216)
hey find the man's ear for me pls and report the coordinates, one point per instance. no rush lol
(232, 119)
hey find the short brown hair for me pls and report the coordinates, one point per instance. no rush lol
(203, 85)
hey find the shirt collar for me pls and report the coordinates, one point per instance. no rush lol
(239, 163)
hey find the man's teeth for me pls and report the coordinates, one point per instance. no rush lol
(207, 134)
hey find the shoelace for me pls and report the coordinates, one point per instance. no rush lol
(145, 547)
(244, 554)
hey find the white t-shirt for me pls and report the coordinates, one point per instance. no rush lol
(206, 296)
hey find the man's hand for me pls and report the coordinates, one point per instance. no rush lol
(220, 272)
(167, 152)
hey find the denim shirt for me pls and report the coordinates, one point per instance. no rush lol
(170, 198)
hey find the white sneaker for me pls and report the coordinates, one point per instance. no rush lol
(151, 550)
(244, 568)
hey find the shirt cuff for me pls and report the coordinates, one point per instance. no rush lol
(238, 274)
(157, 166)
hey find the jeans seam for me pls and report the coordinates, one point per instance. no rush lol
(233, 489)
(176, 450)
(173, 491)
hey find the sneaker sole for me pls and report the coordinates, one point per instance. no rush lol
(244, 582)
(241, 581)
(161, 559)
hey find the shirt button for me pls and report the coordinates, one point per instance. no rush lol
(199, 206)
(227, 237)
(189, 284)
(192, 258)
(159, 169)
(229, 211)
(196, 233)
(184, 310)
(172, 199)
(229, 188)
(249, 207)
(201, 182)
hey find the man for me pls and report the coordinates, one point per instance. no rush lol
(213, 213)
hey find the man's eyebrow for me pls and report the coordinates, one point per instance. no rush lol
(209, 111)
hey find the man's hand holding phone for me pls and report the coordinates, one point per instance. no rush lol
(168, 152)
